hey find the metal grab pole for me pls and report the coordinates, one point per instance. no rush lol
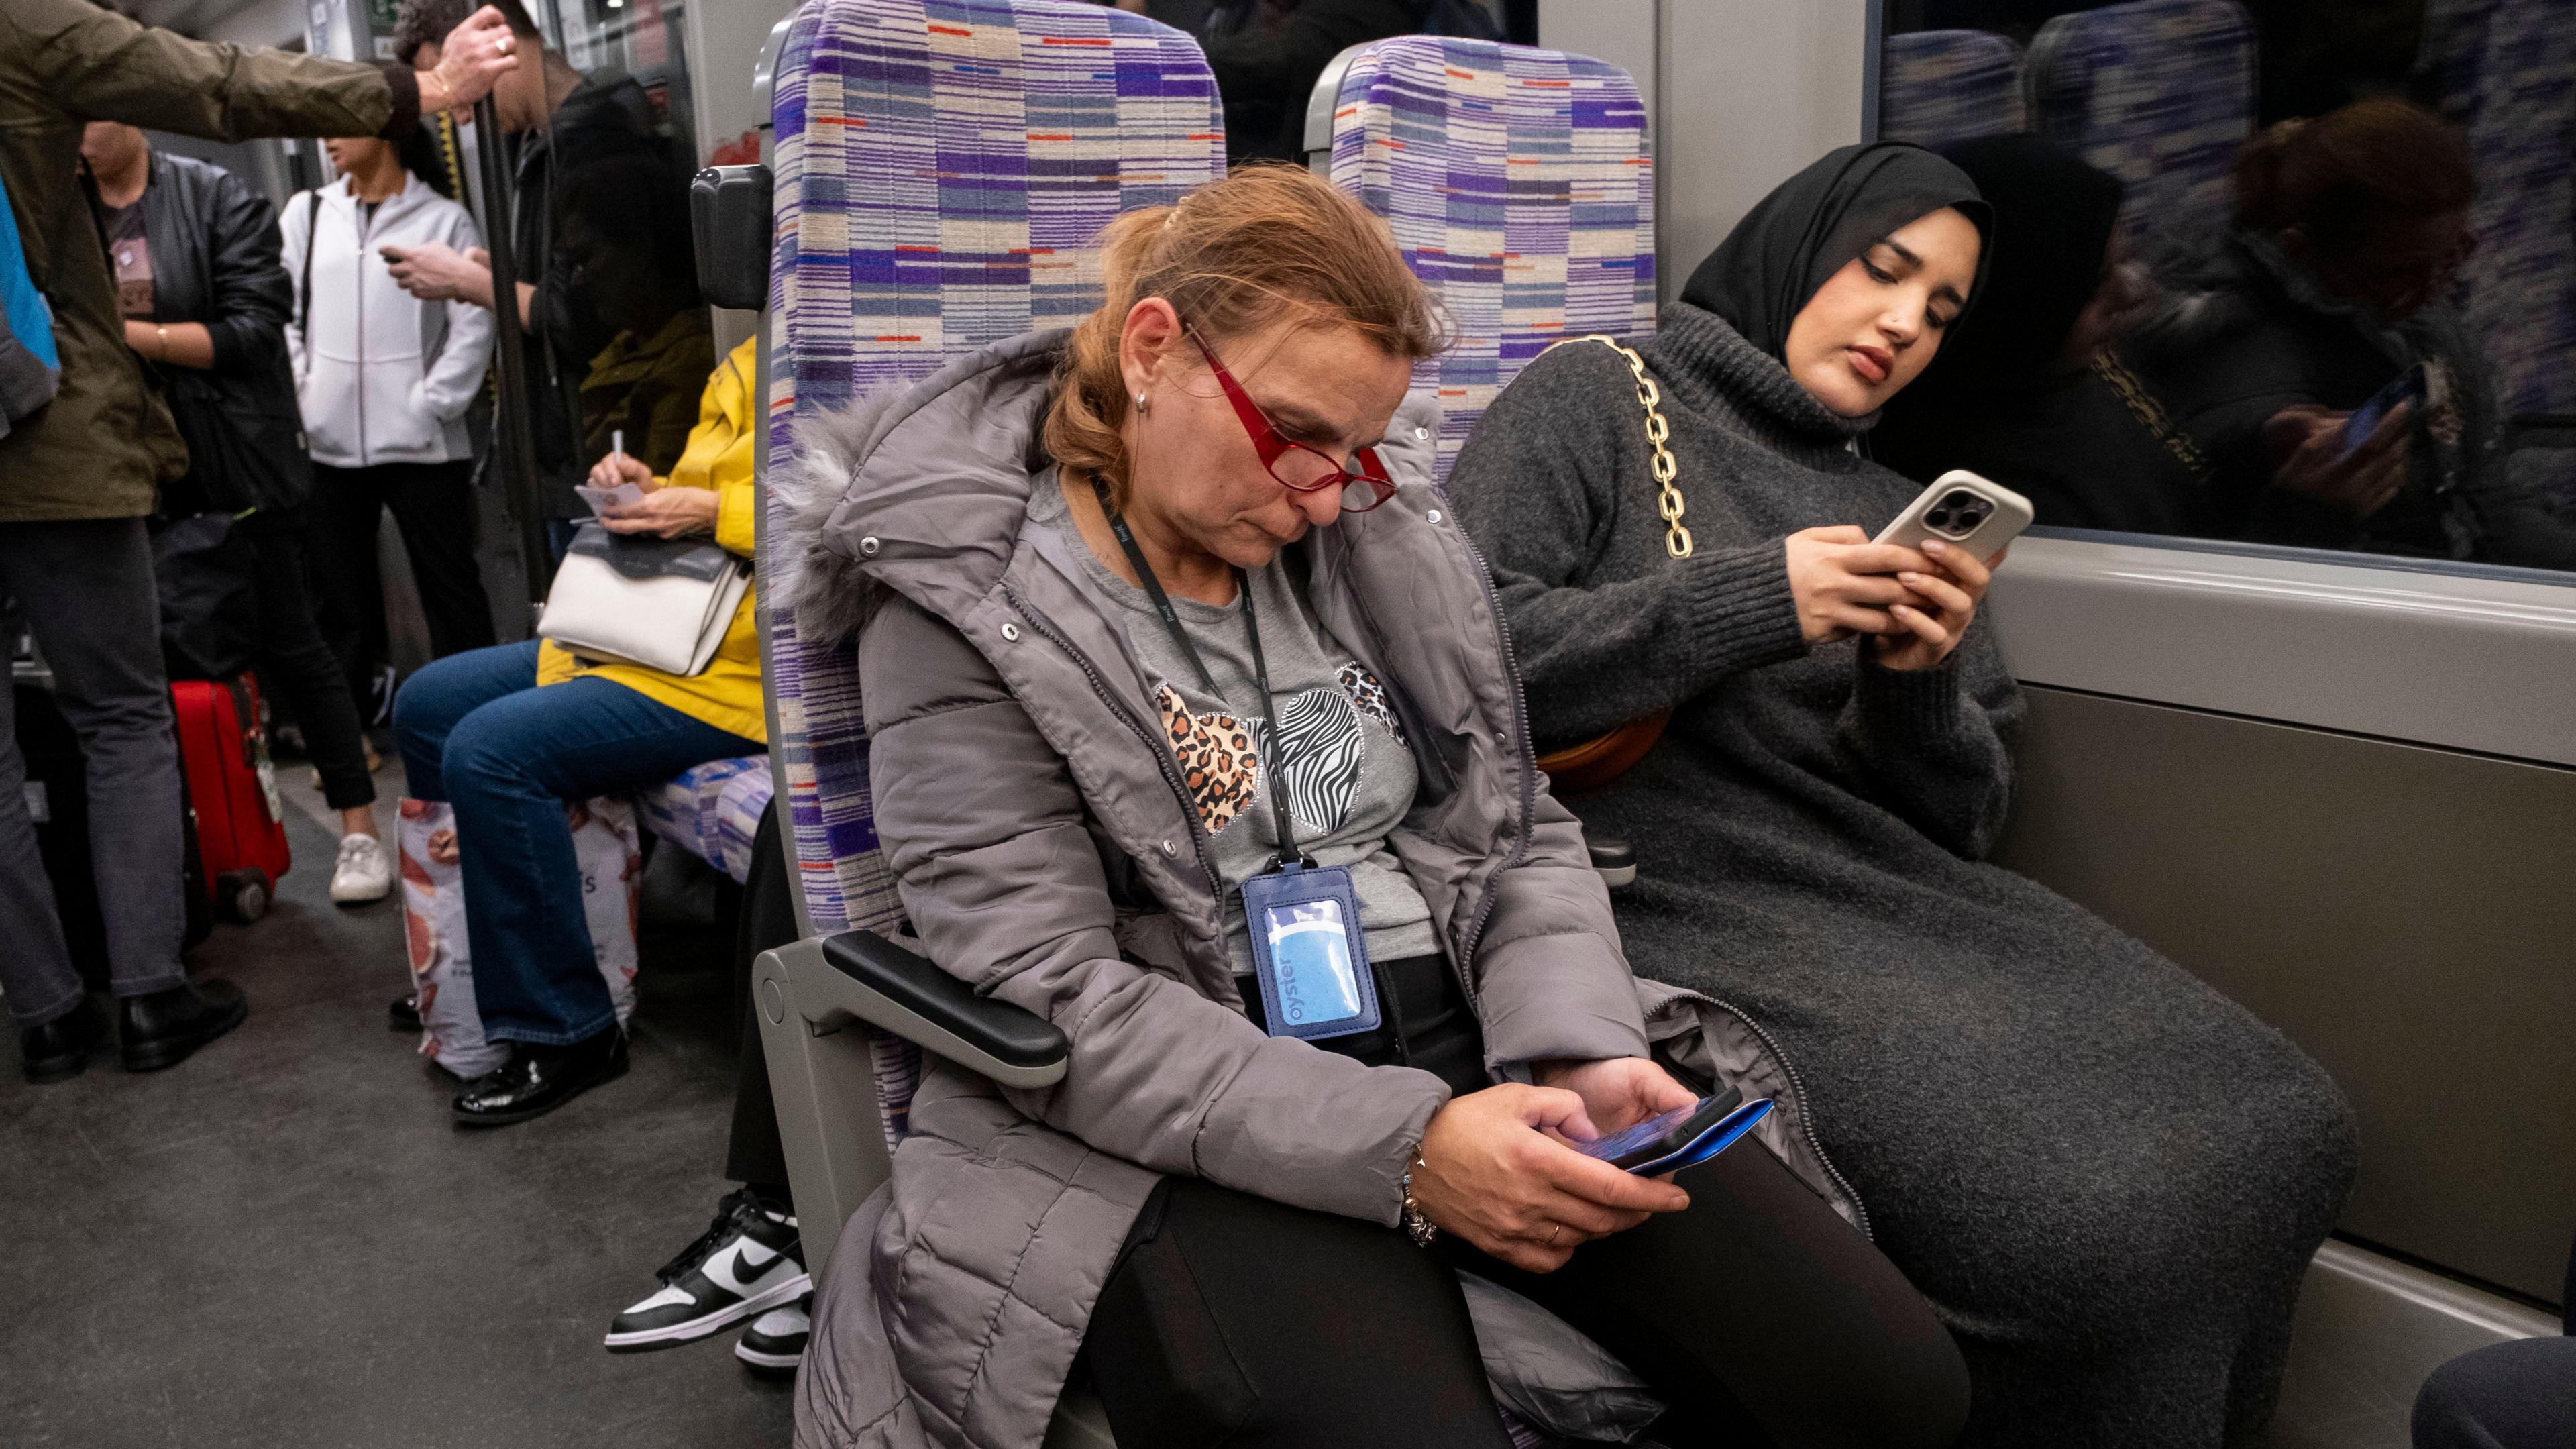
(516, 425)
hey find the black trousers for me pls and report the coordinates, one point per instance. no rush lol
(433, 505)
(754, 1155)
(2515, 1395)
(297, 668)
(1756, 1315)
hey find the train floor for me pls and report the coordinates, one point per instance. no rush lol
(283, 1243)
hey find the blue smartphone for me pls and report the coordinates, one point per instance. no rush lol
(1682, 1137)
(2405, 387)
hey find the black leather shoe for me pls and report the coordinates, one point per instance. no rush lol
(538, 1079)
(59, 1049)
(161, 1029)
(404, 1014)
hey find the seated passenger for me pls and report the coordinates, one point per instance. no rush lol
(2349, 229)
(2105, 1176)
(1074, 779)
(2035, 396)
(506, 735)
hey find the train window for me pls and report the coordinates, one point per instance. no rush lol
(2275, 272)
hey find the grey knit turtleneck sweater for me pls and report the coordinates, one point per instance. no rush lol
(1555, 486)
(2106, 1177)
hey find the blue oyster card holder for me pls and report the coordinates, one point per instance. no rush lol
(1308, 952)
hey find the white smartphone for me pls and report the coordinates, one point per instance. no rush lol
(1963, 510)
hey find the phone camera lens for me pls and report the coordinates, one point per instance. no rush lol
(1937, 518)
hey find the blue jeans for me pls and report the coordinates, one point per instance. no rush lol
(476, 732)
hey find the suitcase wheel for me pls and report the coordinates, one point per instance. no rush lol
(242, 895)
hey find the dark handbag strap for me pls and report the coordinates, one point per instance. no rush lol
(304, 284)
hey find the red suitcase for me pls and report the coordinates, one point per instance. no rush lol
(232, 792)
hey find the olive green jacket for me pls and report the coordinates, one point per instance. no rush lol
(106, 442)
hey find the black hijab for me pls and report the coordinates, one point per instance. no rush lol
(2056, 215)
(1814, 223)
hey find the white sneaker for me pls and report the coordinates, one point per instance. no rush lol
(364, 871)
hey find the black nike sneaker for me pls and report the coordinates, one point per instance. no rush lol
(747, 1262)
(775, 1343)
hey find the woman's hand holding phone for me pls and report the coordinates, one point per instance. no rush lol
(1492, 1175)
(1844, 584)
(1952, 586)
(2316, 465)
(1617, 1092)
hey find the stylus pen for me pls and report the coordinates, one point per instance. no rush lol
(617, 449)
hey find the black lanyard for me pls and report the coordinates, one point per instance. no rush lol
(1288, 847)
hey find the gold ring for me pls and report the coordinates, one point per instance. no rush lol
(1554, 1233)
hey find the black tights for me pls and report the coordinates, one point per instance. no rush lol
(1756, 1315)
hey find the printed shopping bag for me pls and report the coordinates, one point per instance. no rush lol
(610, 855)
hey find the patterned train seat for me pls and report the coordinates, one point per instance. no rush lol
(1937, 86)
(1520, 187)
(942, 169)
(712, 811)
(2505, 72)
(2159, 93)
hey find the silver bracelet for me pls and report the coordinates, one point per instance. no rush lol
(1414, 1222)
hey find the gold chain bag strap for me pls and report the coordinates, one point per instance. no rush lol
(1596, 762)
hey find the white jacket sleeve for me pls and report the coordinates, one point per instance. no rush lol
(457, 374)
(293, 236)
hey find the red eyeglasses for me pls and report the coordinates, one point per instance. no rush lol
(1297, 467)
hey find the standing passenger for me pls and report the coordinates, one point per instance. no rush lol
(2107, 1177)
(384, 380)
(565, 125)
(205, 300)
(77, 479)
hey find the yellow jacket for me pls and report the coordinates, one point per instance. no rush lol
(718, 456)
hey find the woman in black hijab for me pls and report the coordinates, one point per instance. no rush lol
(2106, 1177)
(2037, 396)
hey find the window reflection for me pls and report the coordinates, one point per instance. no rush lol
(2326, 308)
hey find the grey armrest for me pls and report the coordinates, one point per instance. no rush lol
(865, 977)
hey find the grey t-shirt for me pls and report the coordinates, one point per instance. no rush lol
(1349, 774)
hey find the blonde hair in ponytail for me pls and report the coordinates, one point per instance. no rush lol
(1232, 257)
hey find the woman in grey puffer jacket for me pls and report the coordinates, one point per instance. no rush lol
(2107, 1177)
(1071, 784)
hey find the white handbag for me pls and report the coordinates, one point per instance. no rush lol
(663, 603)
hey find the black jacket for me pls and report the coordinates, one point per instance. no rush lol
(215, 260)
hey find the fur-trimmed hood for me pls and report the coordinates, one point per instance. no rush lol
(936, 473)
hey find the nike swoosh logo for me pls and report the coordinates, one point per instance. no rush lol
(738, 1268)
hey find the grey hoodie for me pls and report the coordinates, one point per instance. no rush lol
(1046, 852)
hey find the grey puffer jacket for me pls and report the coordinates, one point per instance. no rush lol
(1045, 851)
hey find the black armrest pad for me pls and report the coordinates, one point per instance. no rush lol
(729, 220)
(1010, 1034)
